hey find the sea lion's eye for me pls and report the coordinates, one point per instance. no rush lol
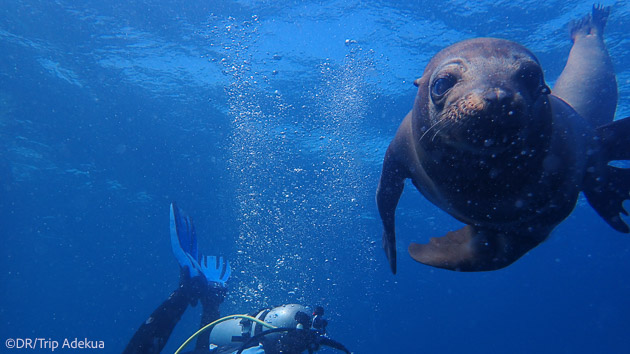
(532, 77)
(441, 86)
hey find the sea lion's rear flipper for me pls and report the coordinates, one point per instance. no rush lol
(590, 24)
(614, 138)
(474, 249)
(606, 187)
(587, 82)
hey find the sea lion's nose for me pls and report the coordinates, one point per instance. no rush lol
(498, 97)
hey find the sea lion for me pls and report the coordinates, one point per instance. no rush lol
(488, 142)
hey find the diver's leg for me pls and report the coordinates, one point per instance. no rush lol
(210, 301)
(153, 334)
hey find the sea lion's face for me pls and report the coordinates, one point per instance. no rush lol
(481, 95)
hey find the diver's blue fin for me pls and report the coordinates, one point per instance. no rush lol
(184, 246)
(182, 226)
(215, 269)
(184, 240)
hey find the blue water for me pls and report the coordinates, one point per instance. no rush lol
(267, 122)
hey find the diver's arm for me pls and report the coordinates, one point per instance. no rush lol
(151, 337)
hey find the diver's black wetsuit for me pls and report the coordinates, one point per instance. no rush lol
(153, 334)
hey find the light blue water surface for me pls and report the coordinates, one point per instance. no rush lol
(267, 122)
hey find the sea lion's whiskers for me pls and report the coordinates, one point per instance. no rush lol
(431, 127)
(448, 124)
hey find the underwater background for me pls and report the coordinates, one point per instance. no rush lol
(267, 122)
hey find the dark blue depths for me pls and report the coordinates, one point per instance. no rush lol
(267, 123)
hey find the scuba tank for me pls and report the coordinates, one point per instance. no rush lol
(235, 332)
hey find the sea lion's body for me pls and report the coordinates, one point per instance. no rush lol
(487, 142)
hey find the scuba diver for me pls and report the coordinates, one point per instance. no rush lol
(286, 329)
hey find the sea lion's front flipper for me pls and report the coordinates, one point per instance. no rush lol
(475, 249)
(390, 188)
(607, 187)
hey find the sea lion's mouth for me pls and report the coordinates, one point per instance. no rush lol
(476, 125)
(481, 145)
